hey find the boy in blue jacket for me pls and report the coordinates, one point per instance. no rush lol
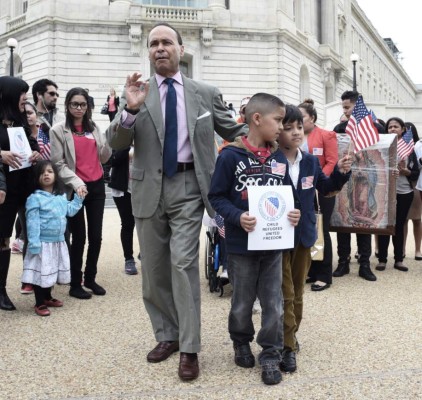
(255, 160)
(306, 176)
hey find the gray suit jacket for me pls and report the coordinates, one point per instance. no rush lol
(205, 114)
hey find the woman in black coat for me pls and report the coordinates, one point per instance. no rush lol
(19, 181)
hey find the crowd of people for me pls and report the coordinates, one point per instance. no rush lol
(164, 175)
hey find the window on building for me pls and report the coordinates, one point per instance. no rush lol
(175, 3)
(25, 6)
(298, 13)
(319, 21)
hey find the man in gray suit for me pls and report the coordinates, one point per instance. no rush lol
(171, 121)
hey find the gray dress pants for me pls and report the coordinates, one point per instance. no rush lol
(169, 242)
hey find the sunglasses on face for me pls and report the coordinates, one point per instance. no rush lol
(75, 105)
(52, 94)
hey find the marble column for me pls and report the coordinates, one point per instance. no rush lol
(328, 22)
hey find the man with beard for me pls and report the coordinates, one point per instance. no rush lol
(44, 92)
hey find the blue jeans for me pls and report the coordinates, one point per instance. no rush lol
(255, 275)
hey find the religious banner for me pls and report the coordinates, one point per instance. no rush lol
(270, 206)
(367, 203)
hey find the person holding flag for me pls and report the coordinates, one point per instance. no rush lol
(408, 173)
(362, 129)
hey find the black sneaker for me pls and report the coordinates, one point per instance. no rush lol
(271, 374)
(342, 269)
(243, 356)
(95, 287)
(288, 361)
(79, 293)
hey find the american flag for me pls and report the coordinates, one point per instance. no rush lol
(405, 145)
(44, 143)
(271, 205)
(219, 220)
(361, 128)
(307, 182)
(278, 168)
(373, 116)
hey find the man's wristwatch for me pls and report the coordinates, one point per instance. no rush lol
(133, 112)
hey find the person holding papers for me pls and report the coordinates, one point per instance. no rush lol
(253, 161)
(307, 177)
(408, 173)
(17, 157)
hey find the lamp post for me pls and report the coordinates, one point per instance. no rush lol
(12, 44)
(354, 58)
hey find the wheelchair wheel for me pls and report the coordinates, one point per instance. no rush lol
(208, 255)
(213, 278)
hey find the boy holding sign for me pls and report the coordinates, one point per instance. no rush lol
(306, 176)
(253, 161)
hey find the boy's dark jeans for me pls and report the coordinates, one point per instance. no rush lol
(255, 275)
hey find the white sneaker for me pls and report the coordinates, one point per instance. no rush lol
(224, 275)
(256, 309)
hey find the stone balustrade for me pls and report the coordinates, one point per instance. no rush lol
(180, 14)
(15, 23)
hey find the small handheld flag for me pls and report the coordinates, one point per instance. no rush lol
(361, 128)
(405, 145)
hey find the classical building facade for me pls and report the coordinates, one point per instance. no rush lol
(291, 48)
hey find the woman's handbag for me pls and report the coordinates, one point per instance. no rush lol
(104, 109)
(317, 250)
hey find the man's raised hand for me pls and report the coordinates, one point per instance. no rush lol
(136, 91)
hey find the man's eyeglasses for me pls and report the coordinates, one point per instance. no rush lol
(75, 105)
(53, 94)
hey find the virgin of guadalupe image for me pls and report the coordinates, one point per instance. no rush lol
(361, 191)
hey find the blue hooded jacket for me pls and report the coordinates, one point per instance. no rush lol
(46, 217)
(236, 169)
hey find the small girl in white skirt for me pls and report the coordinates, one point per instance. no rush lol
(47, 258)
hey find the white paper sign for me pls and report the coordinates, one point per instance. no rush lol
(19, 144)
(270, 206)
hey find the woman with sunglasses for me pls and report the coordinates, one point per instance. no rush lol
(78, 149)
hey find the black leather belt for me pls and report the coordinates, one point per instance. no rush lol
(182, 167)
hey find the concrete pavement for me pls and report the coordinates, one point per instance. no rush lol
(359, 340)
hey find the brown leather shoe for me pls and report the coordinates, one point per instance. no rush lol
(162, 351)
(188, 366)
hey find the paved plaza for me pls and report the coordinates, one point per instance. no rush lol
(359, 340)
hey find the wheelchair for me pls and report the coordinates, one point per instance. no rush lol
(214, 248)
